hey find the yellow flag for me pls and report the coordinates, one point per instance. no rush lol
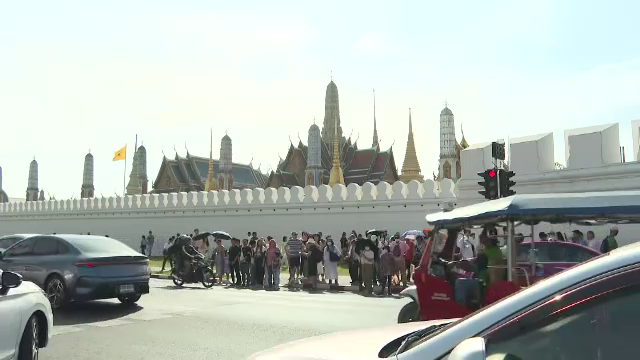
(120, 154)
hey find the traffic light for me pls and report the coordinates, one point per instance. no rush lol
(505, 182)
(489, 183)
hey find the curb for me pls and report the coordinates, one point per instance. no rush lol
(332, 287)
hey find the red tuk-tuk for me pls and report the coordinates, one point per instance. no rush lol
(446, 288)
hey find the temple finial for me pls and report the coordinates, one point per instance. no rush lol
(446, 104)
(331, 75)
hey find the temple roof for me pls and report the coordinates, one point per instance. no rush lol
(191, 173)
(287, 179)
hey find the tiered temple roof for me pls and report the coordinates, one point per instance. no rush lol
(183, 174)
(360, 165)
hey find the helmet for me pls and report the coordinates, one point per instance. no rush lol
(184, 240)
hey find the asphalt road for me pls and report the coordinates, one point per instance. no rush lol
(218, 323)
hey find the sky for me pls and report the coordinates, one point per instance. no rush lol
(80, 76)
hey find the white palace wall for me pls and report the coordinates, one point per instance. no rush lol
(395, 207)
(274, 212)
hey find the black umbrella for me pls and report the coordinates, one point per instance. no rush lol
(220, 235)
(202, 235)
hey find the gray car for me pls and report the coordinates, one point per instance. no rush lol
(79, 267)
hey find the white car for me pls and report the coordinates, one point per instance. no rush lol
(587, 312)
(26, 320)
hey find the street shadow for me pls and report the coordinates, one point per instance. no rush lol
(185, 287)
(92, 312)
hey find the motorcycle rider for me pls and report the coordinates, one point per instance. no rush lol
(184, 253)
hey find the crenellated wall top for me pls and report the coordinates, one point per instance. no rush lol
(414, 191)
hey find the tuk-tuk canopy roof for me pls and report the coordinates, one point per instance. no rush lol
(608, 206)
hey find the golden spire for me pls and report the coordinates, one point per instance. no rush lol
(211, 184)
(463, 143)
(411, 167)
(336, 176)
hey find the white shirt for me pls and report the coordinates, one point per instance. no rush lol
(466, 248)
(595, 244)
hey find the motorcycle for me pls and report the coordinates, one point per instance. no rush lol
(200, 271)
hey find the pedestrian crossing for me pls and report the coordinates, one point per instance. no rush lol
(144, 315)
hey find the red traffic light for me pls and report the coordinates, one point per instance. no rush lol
(492, 173)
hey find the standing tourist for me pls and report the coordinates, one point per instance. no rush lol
(234, 261)
(143, 245)
(610, 243)
(354, 261)
(592, 241)
(259, 262)
(332, 256)
(303, 269)
(366, 259)
(386, 268)
(165, 253)
(314, 256)
(294, 248)
(150, 240)
(245, 263)
(273, 265)
(252, 270)
(344, 244)
(321, 244)
(398, 250)
(218, 257)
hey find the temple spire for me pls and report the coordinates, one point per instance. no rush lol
(336, 176)
(375, 128)
(411, 167)
(211, 184)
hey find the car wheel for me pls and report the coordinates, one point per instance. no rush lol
(129, 299)
(409, 313)
(56, 291)
(30, 342)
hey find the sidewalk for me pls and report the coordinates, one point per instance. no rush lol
(344, 281)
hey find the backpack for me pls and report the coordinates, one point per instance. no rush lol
(604, 246)
(396, 251)
(333, 257)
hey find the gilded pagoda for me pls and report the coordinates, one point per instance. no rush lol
(312, 164)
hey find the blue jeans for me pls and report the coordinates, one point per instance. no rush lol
(273, 276)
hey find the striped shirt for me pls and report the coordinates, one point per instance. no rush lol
(295, 247)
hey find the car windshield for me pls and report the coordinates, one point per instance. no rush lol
(100, 245)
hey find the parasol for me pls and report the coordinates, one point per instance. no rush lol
(375, 232)
(414, 233)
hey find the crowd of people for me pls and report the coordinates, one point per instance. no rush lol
(371, 260)
(311, 258)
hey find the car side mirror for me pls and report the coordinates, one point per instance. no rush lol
(470, 349)
(10, 280)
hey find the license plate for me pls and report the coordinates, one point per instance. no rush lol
(126, 289)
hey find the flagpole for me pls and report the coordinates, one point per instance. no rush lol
(124, 173)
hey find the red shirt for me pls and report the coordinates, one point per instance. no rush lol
(409, 254)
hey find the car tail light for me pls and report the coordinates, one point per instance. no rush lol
(86, 265)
